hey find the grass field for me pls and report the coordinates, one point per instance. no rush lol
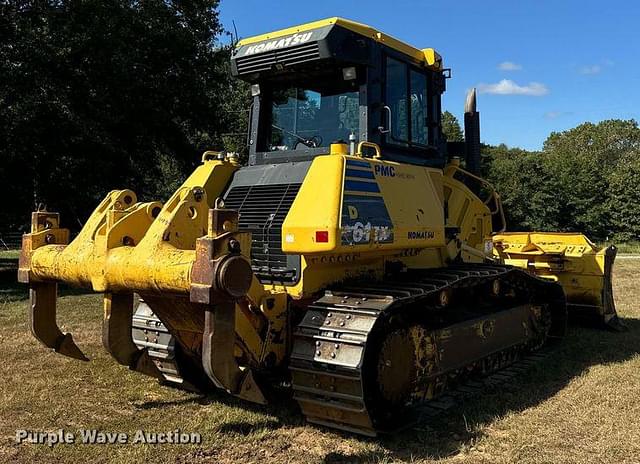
(8, 260)
(625, 247)
(581, 404)
(9, 254)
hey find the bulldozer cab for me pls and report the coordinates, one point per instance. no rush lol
(337, 81)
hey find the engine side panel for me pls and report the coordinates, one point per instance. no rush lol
(357, 205)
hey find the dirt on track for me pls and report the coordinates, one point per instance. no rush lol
(580, 404)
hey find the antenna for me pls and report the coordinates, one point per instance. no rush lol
(235, 31)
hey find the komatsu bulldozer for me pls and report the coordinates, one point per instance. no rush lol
(358, 260)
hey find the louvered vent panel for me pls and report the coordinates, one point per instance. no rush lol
(262, 210)
(286, 57)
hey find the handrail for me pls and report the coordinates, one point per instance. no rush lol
(375, 146)
(493, 195)
(381, 129)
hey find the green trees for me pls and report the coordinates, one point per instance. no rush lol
(451, 127)
(104, 94)
(527, 187)
(623, 203)
(585, 179)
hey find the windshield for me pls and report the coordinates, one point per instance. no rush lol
(302, 118)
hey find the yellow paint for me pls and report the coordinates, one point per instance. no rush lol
(411, 197)
(127, 246)
(338, 149)
(164, 248)
(375, 147)
(568, 258)
(428, 56)
(316, 208)
(124, 248)
(467, 212)
(414, 198)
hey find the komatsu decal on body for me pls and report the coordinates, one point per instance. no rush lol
(421, 235)
(295, 39)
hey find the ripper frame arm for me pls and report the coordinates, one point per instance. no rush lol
(186, 247)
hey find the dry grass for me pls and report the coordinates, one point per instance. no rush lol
(579, 405)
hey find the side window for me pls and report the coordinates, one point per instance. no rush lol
(418, 108)
(396, 99)
(406, 96)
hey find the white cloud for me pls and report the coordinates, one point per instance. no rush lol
(509, 66)
(508, 87)
(590, 69)
(553, 114)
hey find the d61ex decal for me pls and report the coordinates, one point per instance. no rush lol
(365, 219)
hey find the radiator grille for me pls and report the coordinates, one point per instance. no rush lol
(262, 210)
(286, 57)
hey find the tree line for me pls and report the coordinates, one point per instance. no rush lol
(584, 179)
(108, 94)
(104, 94)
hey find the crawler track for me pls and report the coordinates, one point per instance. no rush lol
(367, 357)
(149, 332)
(476, 386)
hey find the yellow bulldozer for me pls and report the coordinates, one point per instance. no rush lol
(358, 260)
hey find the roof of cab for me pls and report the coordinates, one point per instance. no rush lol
(428, 55)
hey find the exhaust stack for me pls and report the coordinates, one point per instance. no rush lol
(472, 134)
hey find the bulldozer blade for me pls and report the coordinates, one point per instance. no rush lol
(117, 335)
(603, 309)
(610, 315)
(583, 269)
(42, 320)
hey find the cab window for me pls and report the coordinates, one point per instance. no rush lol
(306, 117)
(418, 97)
(397, 100)
(406, 97)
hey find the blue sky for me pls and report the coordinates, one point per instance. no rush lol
(540, 66)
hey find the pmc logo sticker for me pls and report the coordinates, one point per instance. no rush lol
(295, 39)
